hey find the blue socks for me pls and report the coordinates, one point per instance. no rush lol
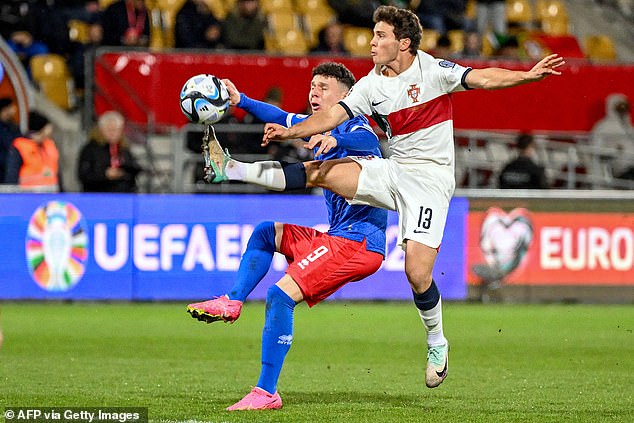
(255, 262)
(295, 175)
(428, 299)
(277, 336)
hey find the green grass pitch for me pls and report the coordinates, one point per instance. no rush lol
(350, 362)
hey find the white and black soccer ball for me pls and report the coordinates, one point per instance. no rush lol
(204, 99)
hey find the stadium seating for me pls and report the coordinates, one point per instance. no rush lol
(307, 7)
(357, 40)
(599, 47)
(79, 31)
(519, 12)
(105, 3)
(219, 8)
(429, 39)
(290, 42)
(456, 37)
(50, 73)
(283, 20)
(269, 6)
(551, 9)
(168, 11)
(556, 26)
(314, 22)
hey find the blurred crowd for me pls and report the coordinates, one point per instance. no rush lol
(71, 27)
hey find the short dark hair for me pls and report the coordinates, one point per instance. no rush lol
(405, 22)
(37, 121)
(524, 141)
(337, 71)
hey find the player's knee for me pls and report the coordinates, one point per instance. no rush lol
(263, 237)
(312, 173)
(419, 278)
(317, 173)
(275, 295)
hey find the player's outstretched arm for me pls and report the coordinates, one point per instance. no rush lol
(264, 111)
(497, 78)
(315, 124)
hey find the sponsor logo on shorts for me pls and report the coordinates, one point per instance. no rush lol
(320, 251)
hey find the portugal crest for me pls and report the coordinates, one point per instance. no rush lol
(413, 92)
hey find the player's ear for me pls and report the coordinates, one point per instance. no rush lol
(404, 44)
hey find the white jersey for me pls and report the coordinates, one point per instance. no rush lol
(413, 108)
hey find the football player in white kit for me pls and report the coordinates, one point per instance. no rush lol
(407, 93)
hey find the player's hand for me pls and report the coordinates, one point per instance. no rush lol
(325, 143)
(234, 94)
(274, 132)
(546, 66)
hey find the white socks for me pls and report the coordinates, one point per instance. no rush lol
(267, 174)
(432, 320)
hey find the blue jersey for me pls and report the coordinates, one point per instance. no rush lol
(354, 138)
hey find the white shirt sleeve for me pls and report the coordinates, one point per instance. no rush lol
(451, 75)
(357, 101)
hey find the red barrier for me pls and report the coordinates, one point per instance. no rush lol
(572, 102)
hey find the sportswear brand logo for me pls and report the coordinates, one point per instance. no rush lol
(418, 231)
(413, 92)
(376, 103)
(443, 372)
(285, 339)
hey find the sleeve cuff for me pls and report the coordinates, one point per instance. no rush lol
(347, 109)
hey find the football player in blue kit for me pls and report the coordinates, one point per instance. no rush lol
(318, 263)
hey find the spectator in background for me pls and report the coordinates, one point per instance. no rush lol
(613, 139)
(126, 23)
(33, 160)
(524, 172)
(509, 48)
(331, 41)
(243, 28)
(196, 26)
(472, 45)
(25, 46)
(9, 130)
(493, 13)
(443, 48)
(105, 162)
(441, 16)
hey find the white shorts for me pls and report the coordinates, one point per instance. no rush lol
(420, 193)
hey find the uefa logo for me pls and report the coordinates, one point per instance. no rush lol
(56, 246)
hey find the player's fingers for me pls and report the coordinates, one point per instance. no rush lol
(311, 143)
(320, 150)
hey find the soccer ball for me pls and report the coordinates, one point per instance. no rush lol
(204, 99)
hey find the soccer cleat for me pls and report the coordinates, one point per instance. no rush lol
(258, 399)
(220, 308)
(437, 361)
(215, 158)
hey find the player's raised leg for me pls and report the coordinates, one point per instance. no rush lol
(255, 262)
(419, 262)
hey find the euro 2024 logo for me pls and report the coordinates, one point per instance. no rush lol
(504, 241)
(56, 246)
